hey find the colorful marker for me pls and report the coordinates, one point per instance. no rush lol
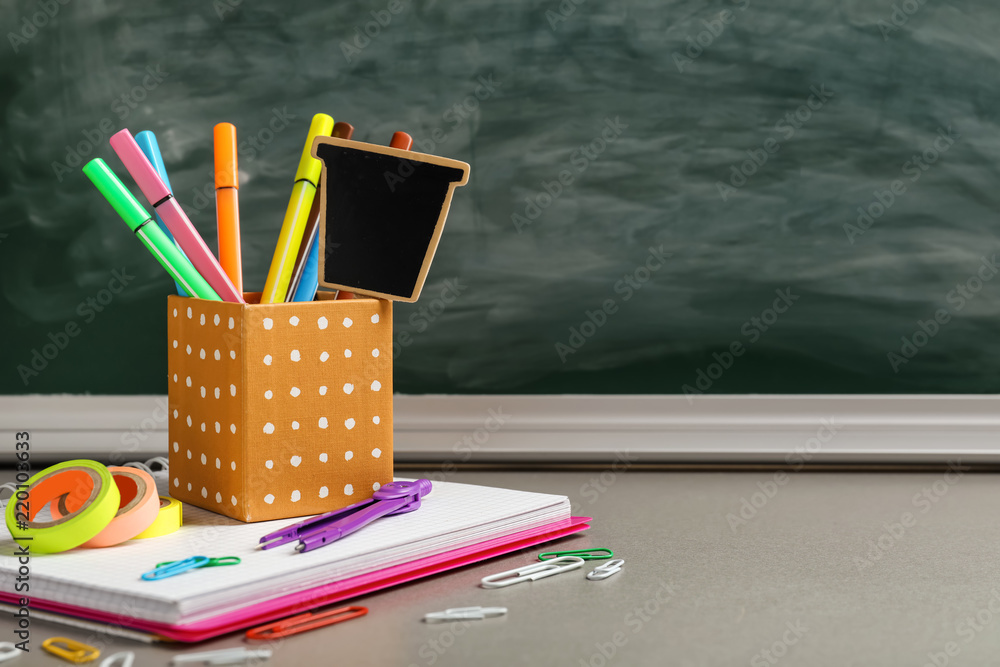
(154, 238)
(151, 149)
(227, 205)
(402, 141)
(309, 282)
(305, 277)
(305, 256)
(164, 203)
(303, 193)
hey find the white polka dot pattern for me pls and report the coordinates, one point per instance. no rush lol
(258, 391)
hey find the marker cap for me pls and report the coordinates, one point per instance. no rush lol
(310, 167)
(342, 130)
(127, 206)
(151, 149)
(226, 175)
(139, 166)
(401, 140)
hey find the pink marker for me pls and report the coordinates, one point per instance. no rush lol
(173, 215)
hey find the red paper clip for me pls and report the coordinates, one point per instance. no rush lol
(305, 622)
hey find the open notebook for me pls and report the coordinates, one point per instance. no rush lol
(454, 520)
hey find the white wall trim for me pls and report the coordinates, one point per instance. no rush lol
(531, 429)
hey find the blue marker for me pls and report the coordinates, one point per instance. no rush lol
(151, 149)
(309, 282)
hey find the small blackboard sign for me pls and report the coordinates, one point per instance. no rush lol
(382, 211)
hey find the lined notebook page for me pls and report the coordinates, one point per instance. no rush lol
(451, 516)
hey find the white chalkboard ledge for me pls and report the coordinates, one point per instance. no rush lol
(633, 430)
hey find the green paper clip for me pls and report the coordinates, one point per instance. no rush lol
(585, 554)
(212, 562)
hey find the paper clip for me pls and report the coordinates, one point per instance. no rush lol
(605, 570)
(585, 554)
(464, 614)
(226, 656)
(305, 622)
(71, 650)
(212, 562)
(8, 651)
(123, 658)
(175, 568)
(532, 572)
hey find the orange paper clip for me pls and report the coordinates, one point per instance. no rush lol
(305, 622)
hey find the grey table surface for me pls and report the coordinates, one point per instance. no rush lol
(821, 568)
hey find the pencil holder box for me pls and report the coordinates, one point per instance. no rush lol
(279, 410)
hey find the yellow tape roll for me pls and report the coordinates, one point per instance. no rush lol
(167, 521)
(94, 494)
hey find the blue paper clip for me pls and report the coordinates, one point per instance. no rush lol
(176, 568)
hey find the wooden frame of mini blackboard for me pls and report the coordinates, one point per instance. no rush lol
(409, 156)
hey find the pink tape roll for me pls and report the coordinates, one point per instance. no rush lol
(138, 509)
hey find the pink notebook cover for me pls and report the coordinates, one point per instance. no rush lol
(325, 594)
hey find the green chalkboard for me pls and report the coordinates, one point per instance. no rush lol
(714, 196)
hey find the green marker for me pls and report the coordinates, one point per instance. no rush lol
(177, 265)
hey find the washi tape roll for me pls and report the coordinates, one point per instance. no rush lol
(167, 521)
(90, 492)
(138, 507)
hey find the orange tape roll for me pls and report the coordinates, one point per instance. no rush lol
(137, 510)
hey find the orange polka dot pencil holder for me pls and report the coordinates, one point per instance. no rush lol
(279, 410)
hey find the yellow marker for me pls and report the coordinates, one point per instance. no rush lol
(303, 192)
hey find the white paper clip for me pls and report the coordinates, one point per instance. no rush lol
(8, 651)
(606, 570)
(226, 656)
(532, 572)
(120, 659)
(464, 614)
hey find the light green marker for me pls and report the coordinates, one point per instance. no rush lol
(177, 265)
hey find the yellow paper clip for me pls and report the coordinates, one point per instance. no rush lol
(71, 650)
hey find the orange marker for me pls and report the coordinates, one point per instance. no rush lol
(227, 206)
(402, 141)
